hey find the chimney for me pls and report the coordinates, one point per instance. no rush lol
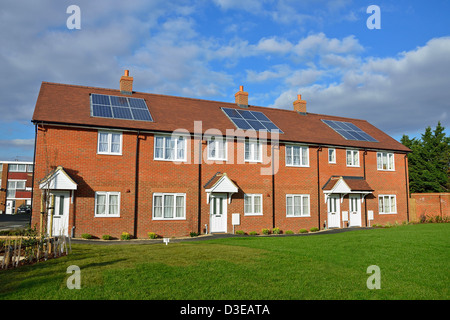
(241, 97)
(126, 83)
(299, 104)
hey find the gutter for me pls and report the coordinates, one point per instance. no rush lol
(318, 185)
(136, 185)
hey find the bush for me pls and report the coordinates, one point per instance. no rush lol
(125, 236)
(314, 229)
(240, 232)
(87, 236)
(289, 232)
(152, 235)
(253, 233)
(276, 231)
(303, 231)
(193, 234)
(106, 237)
(265, 231)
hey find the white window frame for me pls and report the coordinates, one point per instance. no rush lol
(289, 148)
(252, 145)
(389, 197)
(252, 204)
(15, 181)
(381, 157)
(176, 148)
(302, 214)
(333, 150)
(16, 166)
(107, 194)
(174, 217)
(109, 151)
(352, 155)
(217, 140)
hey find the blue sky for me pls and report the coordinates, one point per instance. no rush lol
(397, 77)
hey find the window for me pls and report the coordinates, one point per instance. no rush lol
(29, 168)
(385, 161)
(253, 204)
(217, 149)
(331, 155)
(17, 168)
(109, 143)
(170, 148)
(352, 158)
(387, 204)
(107, 204)
(297, 205)
(297, 156)
(14, 185)
(169, 206)
(253, 151)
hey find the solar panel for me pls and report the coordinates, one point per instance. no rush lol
(349, 131)
(250, 120)
(106, 106)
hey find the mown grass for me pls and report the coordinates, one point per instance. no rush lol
(413, 261)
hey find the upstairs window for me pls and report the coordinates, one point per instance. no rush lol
(331, 155)
(253, 151)
(297, 156)
(352, 158)
(109, 143)
(217, 148)
(385, 161)
(170, 148)
(17, 168)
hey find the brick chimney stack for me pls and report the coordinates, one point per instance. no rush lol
(299, 104)
(241, 97)
(126, 83)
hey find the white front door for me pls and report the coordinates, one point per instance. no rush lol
(355, 210)
(61, 214)
(334, 212)
(10, 204)
(218, 213)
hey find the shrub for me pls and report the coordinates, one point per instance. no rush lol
(125, 236)
(303, 231)
(276, 231)
(265, 231)
(289, 232)
(152, 235)
(106, 237)
(193, 234)
(253, 233)
(239, 232)
(87, 236)
(314, 229)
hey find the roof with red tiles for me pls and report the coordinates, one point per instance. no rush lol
(70, 105)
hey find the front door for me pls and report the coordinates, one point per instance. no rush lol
(10, 206)
(218, 213)
(334, 212)
(355, 210)
(61, 214)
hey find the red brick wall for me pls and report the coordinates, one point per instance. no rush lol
(76, 150)
(431, 205)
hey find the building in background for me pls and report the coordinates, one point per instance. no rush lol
(16, 178)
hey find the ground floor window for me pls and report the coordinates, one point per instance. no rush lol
(297, 205)
(387, 204)
(107, 204)
(253, 204)
(169, 206)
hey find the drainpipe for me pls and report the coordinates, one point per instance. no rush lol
(273, 186)
(199, 197)
(319, 148)
(365, 202)
(407, 187)
(136, 185)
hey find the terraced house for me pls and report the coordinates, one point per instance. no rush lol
(125, 161)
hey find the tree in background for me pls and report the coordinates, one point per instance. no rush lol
(429, 161)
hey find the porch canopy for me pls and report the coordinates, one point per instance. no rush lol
(220, 183)
(58, 179)
(344, 185)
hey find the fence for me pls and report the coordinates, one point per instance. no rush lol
(429, 206)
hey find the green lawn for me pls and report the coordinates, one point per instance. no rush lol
(413, 261)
